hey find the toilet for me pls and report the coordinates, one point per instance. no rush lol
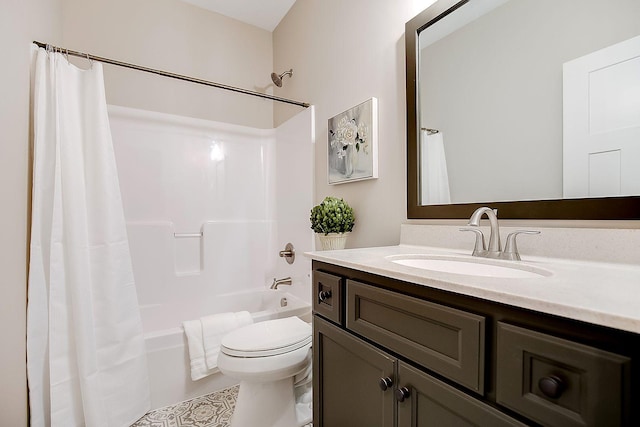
(272, 360)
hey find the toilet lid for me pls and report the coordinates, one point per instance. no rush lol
(268, 338)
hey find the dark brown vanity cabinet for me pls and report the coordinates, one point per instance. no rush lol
(348, 377)
(358, 385)
(396, 354)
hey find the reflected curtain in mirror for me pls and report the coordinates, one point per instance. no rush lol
(433, 165)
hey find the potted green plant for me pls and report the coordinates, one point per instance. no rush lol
(332, 220)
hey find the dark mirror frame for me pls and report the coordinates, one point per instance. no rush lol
(621, 208)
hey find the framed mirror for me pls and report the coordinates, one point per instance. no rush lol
(528, 106)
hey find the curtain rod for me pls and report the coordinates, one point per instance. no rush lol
(430, 131)
(168, 74)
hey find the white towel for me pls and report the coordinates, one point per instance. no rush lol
(215, 327)
(193, 331)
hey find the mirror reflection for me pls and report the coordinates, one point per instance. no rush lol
(530, 100)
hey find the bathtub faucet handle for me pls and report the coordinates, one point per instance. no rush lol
(278, 282)
(289, 253)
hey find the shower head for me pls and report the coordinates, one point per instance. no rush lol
(277, 78)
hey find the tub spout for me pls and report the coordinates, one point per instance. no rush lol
(278, 282)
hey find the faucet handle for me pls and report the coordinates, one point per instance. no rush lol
(289, 253)
(480, 246)
(510, 247)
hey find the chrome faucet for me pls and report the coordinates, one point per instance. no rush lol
(495, 246)
(278, 282)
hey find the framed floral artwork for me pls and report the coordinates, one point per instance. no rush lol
(353, 144)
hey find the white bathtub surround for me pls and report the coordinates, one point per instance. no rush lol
(589, 277)
(294, 198)
(209, 206)
(85, 349)
(247, 190)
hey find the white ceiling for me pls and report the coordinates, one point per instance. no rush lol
(265, 14)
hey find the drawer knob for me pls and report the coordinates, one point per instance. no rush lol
(551, 386)
(324, 295)
(385, 383)
(402, 393)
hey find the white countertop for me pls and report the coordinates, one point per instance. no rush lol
(605, 294)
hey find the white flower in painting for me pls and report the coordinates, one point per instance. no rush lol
(362, 131)
(363, 136)
(335, 141)
(349, 133)
(337, 136)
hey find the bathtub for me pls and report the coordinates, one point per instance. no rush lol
(166, 344)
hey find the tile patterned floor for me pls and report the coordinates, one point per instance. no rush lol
(212, 410)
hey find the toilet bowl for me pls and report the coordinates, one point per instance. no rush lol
(270, 359)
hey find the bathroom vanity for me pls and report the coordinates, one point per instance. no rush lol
(424, 334)
(402, 345)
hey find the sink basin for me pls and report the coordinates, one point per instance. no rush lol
(470, 266)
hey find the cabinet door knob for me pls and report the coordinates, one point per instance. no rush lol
(402, 393)
(551, 386)
(324, 295)
(385, 383)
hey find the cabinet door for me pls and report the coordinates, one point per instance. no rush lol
(424, 401)
(346, 376)
(443, 339)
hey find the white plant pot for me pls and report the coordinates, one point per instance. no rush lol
(333, 241)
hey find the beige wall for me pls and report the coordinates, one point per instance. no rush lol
(174, 36)
(21, 21)
(342, 53)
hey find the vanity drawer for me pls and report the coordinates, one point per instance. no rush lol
(557, 382)
(445, 340)
(327, 296)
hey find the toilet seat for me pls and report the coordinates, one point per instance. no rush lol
(269, 338)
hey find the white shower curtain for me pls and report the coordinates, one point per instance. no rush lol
(86, 363)
(434, 183)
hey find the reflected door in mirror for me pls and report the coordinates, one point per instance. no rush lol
(602, 122)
